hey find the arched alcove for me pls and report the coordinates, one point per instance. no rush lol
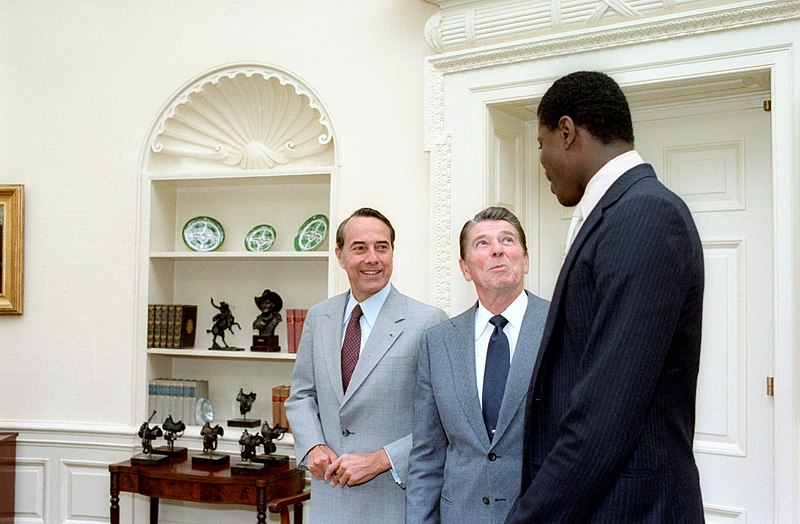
(247, 117)
(247, 148)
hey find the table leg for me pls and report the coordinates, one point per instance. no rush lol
(114, 498)
(153, 510)
(298, 514)
(261, 504)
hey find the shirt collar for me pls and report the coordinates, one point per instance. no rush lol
(371, 307)
(605, 178)
(514, 313)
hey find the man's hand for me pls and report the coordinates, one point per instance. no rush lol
(352, 469)
(320, 458)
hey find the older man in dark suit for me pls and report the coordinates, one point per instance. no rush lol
(611, 406)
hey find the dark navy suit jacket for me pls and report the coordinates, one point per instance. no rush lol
(610, 412)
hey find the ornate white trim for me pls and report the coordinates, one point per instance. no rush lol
(251, 116)
(642, 30)
(441, 216)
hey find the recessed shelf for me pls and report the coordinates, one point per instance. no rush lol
(232, 355)
(240, 255)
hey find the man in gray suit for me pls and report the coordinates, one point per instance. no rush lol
(353, 383)
(472, 379)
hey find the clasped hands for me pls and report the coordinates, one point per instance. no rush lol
(349, 469)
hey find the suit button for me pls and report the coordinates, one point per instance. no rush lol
(492, 457)
(345, 432)
(486, 500)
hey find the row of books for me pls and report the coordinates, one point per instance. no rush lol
(279, 396)
(171, 325)
(295, 318)
(177, 397)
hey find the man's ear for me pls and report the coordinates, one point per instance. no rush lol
(464, 270)
(339, 257)
(566, 131)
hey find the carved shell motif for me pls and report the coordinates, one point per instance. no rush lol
(251, 121)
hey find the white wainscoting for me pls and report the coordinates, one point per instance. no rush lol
(62, 476)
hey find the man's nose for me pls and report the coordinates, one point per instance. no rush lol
(371, 256)
(497, 248)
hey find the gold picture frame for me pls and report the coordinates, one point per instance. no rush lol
(12, 204)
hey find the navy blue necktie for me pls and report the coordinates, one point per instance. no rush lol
(498, 360)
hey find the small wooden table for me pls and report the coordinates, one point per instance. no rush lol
(275, 490)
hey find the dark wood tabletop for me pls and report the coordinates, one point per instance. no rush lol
(276, 489)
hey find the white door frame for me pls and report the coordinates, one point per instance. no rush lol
(461, 86)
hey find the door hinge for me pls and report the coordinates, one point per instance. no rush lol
(770, 386)
(767, 105)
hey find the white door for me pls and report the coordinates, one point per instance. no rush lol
(716, 155)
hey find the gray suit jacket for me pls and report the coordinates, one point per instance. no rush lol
(455, 474)
(375, 412)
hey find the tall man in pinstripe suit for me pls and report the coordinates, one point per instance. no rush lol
(611, 405)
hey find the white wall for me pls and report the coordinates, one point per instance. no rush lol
(80, 83)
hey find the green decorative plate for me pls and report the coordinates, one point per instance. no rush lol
(311, 234)
(203, 234)
(260, 238)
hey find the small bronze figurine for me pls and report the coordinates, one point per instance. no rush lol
(210, 457)
(270, 303)
(246, 401)
(148, 434)
(248, 444)
(223, 320)
(172, 432)
(210, 436)
(271, 434)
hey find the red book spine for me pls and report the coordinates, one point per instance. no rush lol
(290, 328)
(299, 320)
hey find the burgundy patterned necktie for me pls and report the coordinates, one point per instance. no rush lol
(351, 348)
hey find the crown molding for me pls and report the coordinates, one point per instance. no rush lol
(557, 42)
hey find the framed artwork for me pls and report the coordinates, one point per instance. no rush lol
(12, 202)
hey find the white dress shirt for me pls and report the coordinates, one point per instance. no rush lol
(602, 180)
(483, 332)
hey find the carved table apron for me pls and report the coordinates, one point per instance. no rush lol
(180, 480)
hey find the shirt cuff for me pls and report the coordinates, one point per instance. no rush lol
(395, 474)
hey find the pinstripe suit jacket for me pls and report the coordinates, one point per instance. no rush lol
(374, 413)
(611, 410)
(456, 475)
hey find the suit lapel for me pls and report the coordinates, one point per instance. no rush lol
(333, 355)
(594, 219)
(460, 348)
(521, 366)
(388, 328)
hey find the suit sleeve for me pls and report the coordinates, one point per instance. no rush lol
(427, 458)
(628, 291)
(399, 450)
(302, 408)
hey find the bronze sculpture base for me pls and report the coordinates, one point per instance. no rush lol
(268, 343)
(149, 459)
(248, 468)
(271, 460)
(244, 423)
(176, 453)
(211, 459)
